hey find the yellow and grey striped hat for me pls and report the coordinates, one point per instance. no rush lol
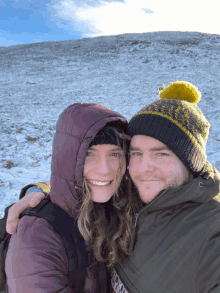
(176, 121)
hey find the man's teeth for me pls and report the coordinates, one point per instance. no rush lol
(99, 183)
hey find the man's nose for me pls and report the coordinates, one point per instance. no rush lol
(146, 165)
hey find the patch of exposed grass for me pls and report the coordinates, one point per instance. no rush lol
(9, 164)
(32, 139)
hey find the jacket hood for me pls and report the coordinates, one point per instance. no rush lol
(76, 127)
(201, 189)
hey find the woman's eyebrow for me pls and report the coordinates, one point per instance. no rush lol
(116, 149)
(111, 150)
(92, 149)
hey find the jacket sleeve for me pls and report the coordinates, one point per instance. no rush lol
(208, 272)
(36, 260)
(45, 186)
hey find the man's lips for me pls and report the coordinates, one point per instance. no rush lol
(148, 180)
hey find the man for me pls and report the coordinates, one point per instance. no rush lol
(176, 242)
(175, 245)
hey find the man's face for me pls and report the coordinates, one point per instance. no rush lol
(154, 167)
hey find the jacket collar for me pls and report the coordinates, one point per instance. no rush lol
(200, 190)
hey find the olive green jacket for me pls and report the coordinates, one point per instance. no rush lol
(176, 242)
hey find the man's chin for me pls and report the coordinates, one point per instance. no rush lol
(148, 194)
(147, 198)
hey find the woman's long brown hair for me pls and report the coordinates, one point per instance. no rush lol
(107, 228)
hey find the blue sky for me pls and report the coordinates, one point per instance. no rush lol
(29, 21)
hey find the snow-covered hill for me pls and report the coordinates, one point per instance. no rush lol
(123, 72)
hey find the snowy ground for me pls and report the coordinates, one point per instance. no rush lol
(37, 81)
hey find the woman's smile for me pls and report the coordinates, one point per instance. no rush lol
(99, 183)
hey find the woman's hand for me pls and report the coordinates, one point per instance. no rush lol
(28, 201)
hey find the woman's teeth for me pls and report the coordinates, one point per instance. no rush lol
(100, 183)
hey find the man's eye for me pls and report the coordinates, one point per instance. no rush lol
(162, 154)
(88, 154)
(132, 154)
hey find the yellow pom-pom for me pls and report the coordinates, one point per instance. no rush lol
(181, 90)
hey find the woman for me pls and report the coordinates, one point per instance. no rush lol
(87, 182)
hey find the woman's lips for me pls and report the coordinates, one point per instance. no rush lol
(99, 183)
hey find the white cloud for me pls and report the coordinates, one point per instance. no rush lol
(37, 40)
(2, 3)
(138, 16)
(67, 10)
(6, 42)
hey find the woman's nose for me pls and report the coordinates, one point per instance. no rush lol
(103, 166)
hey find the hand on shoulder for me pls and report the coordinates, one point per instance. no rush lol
(30, 200)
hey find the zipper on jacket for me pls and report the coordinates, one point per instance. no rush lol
(131, 247)
(135, 221)
(133, 234)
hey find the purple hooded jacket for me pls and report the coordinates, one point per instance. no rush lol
(36, 259)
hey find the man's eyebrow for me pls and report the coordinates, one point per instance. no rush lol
(134, 148)
(162, 148)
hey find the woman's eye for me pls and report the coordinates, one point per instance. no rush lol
(88, 154)
(116, 155)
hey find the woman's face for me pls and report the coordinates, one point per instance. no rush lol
(104, 168)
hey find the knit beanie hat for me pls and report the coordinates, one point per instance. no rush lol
(107, 135)
(176, 121)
